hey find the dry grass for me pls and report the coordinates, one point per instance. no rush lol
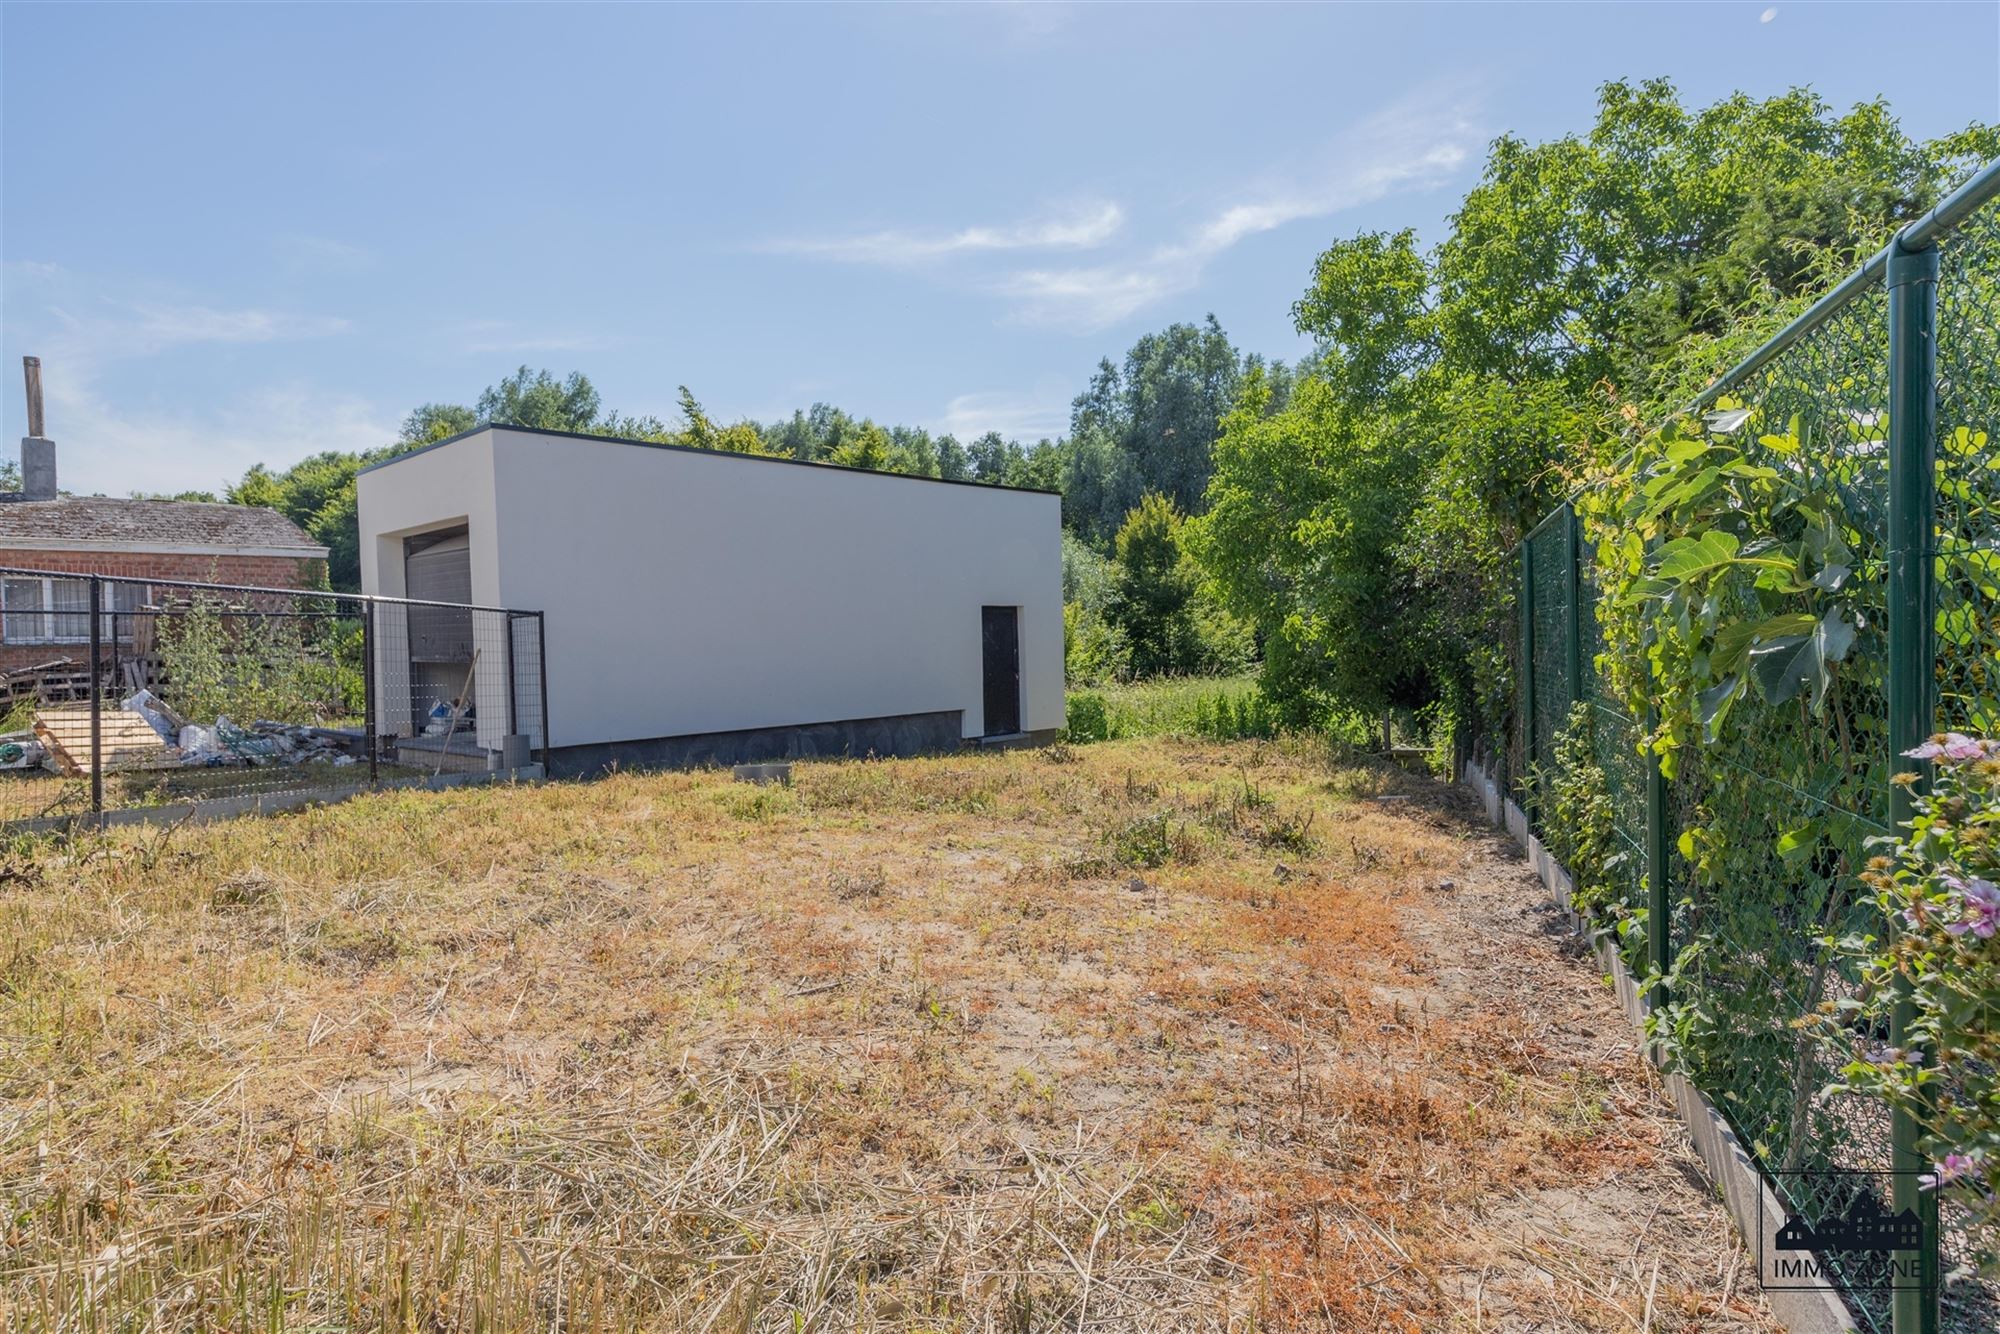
(37, 794)
(1147, 1035)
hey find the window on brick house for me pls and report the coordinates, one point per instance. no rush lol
(69, 605)
(21, 601)
(57, 611)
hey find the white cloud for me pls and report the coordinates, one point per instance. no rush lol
(1091, 298)
(1023, 21)
(1408, 147)
(1015, 416)
(92, 326)
(100, 447)
(1768, 15)
(1412, 145)
(151, 328)
(1081, 228)
(84, 331)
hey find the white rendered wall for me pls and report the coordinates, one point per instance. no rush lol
(690, 592)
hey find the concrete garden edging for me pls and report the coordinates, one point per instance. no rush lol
(266, 803)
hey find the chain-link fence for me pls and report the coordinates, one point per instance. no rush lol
(1751, 854)
(163, 696)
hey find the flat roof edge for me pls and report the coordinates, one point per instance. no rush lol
(705, 453)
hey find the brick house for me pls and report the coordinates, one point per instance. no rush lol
(50, 542)
(45, 618)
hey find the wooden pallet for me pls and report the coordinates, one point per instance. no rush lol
(129, 741)
(62, 679)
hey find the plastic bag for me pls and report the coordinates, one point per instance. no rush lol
(20, 753)
(147, 706)
(201, 745)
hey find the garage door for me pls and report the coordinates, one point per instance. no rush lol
(439, 569)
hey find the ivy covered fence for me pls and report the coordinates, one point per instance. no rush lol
(1758, 688)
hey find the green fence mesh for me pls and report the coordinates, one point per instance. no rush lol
(1615, 738)
(1751, 921)
(1780, 808)
(1552, 569)
(1967, 558)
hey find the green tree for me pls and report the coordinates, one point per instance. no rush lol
(1365, 527)
(436, 421)
(1305, 509)
(317, 494)
(203, 497)
(1152, 588)
(702, 433)
(1040, 467)
(954, 464)
(990, 457)
(1157, 416)
(537, 399)
(865, 446)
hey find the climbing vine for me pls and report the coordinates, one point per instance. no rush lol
(1740, 568)
(1732, 569)
(1580, 824)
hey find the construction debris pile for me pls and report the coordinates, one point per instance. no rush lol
(144, 732)
(263, 742)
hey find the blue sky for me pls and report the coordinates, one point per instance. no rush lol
(237, 234)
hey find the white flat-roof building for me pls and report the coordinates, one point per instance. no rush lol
(711, 607)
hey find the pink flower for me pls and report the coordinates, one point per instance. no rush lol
(1953, 748)
(1951, 1168)
(1979, 907)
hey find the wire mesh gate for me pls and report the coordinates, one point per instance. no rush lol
(1885, 394)
(128, 694)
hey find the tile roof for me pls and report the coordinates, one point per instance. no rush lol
(110, 522)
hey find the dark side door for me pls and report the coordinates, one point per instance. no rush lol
(1001, 628)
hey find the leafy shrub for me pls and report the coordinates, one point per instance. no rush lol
(1579, 825)
(256, 667)
(1693, 517)
(1087, 574)
(1941, 891)
(1224, 644)
(1094, 650)
(1234, 715)
(1086, 718)
(1152, 840)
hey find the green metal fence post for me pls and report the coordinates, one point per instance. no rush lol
(1528, 680)
(97, 699)
(1911, 278)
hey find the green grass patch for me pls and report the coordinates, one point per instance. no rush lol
(1214, 706)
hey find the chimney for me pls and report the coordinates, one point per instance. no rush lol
(38, 452)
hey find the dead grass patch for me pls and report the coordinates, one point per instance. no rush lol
(1145, 1035)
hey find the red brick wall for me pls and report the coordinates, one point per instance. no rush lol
(262, 571)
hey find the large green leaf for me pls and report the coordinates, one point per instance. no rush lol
(1784, 665)
(1714, 704)
(1687, 558)
(1734, 641)
(1797, 842)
